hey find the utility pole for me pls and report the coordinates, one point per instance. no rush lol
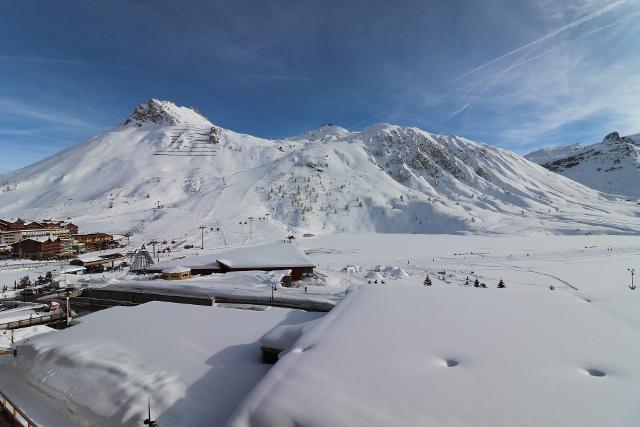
(67, 308)
(149, 422)
(202, 227)
(632, 271)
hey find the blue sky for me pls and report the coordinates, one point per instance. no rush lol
(517, 74)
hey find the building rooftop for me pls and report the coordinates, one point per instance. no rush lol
(272, 255)
(454, 356)
(176, 270)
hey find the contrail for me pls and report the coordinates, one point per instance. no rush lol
(460, 110)
(552, 34)
(525, 60)
(518, 63)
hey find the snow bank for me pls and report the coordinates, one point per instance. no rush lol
(408, 356)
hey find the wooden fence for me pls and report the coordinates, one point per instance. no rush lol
(15, 413)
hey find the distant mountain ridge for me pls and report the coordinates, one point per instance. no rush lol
(168, 170)
(611, 166)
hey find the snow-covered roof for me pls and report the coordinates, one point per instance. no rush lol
(90, 258)
(198, 379)
(412, 355)
(193, 262)
(41, 239)
(278, 255)
(176, 270)
(273, 255)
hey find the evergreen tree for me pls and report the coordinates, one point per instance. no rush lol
(427, 281)
(501, 284)
(476, 283)
(24, 282)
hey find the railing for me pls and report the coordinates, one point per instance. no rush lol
(39, 320)
(15, 413)
(29, 265)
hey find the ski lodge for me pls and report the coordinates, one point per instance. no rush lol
(268, 257)
(41, 248)
(96, 241)
(12, 232)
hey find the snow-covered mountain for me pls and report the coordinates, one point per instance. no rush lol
(611, 166)
(167, 170)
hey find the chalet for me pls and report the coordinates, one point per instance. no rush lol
(269, 257)
(40, 248)
(176, 273)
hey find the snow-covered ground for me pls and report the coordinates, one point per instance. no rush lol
(537, 335)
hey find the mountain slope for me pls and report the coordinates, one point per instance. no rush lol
(168, 170)
(611, 166)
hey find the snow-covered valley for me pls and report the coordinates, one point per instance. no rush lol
(410, 233)
(571, 283)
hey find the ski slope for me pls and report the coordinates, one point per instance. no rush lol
(167, 170)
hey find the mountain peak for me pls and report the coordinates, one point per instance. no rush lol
(615, 138)
(325, 132)
(165, 113)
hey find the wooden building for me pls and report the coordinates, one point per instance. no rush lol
(14, 231)
(176, 273)
(38, 248)
(95, 241)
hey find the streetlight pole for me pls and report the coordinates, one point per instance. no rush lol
(632, 271)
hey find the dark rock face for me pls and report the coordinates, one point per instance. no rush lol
(404, 153)
(614, 137)
(612, 149)
(213, 136)
(150, 112)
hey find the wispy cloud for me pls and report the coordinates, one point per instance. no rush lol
(16, 132)
(63, 61)
(48, 114)
(282, 77)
